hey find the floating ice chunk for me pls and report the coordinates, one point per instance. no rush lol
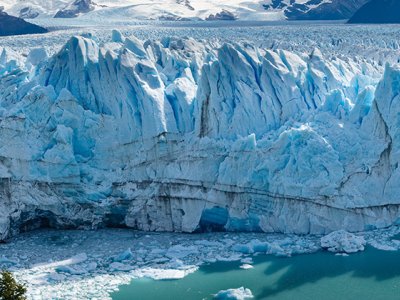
(117, 266)
(343, 241)
(277, 250)
(234, 294)
(180, 251)
(126, 255)
(243, 248)
(176, 264)
(388, 246)
(246, 266)
(73, 270)
(247, 260)
(341, 254)
(254, 246)
(163, 274)
(232, 257)
(208, 243)
(77, 259)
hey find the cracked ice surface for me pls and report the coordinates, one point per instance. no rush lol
(377, 43)
(91, 264)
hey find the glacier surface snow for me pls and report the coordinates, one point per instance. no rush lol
(179, 134)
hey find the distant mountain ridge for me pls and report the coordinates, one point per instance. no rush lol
(316, 9)
(10, 25)
(254, 10)
(378, 11)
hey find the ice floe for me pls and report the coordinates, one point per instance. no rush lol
(234, 294)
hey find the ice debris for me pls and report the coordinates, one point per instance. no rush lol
(59, 268)
(342, 241)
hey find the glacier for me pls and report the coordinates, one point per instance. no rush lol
(187, 135)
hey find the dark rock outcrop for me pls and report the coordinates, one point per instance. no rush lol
(335, 10)
(10, 25)
(75, 9)
(28, 13)
(224, 15)
(378, 11)
(317, 9)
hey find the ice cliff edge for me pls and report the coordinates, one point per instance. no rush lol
(179, 135)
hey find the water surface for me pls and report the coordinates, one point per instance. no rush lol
(372, 274)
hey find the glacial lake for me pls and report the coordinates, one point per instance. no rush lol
(372, 274)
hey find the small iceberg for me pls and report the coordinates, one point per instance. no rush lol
(234, 294)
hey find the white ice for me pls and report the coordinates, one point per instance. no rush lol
(342, 241)
(234, 294)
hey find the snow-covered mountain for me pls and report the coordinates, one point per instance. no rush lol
(34, 8)
(182, 135)
(378, 11)
(75, 9)
(187, 9)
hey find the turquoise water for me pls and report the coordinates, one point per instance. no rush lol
(372, 274)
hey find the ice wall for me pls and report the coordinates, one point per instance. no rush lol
(183, 135)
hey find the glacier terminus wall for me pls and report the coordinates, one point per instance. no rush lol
(189, 136)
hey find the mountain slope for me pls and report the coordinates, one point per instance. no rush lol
(34, 8)
(10, 25)
(254, 10)
(326, 10)
(378, 11)
(75, 9)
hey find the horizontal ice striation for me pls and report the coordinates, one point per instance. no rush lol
(181, 135)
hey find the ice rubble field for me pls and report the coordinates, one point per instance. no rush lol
(59, 264)
(291, 129)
